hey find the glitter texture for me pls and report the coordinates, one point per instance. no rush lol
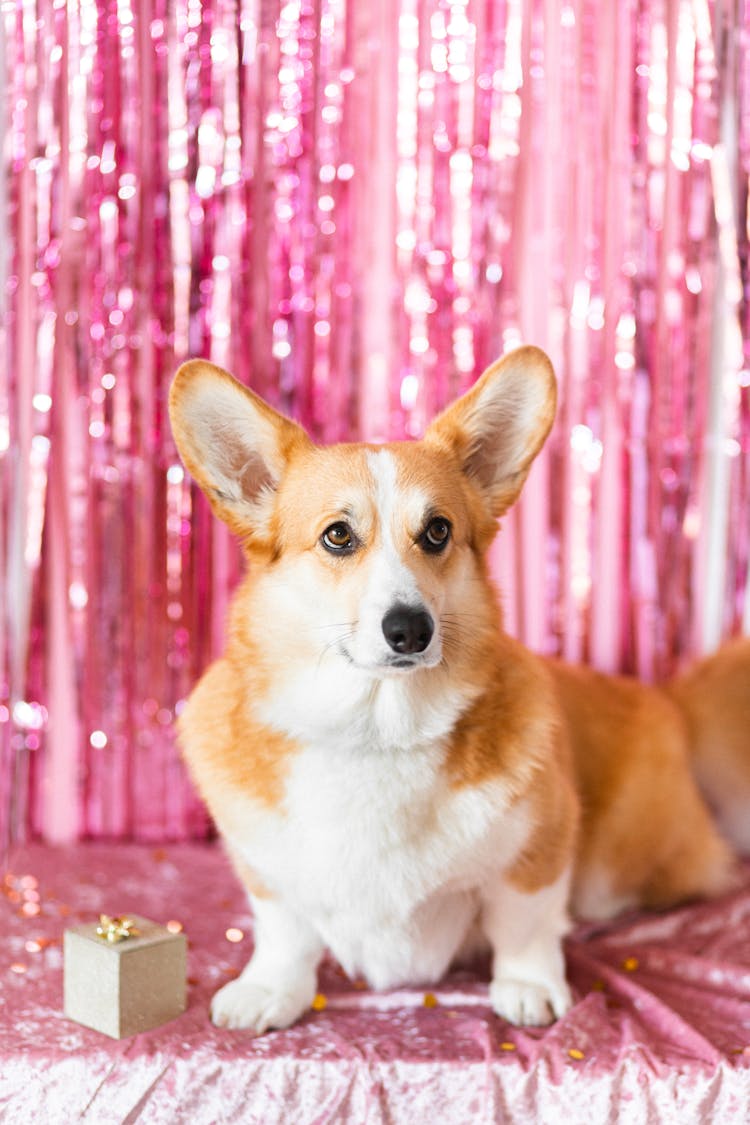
(354, 207)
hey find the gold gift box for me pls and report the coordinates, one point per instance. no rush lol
(124, 978)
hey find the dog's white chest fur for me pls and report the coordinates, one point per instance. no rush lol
(376, 850)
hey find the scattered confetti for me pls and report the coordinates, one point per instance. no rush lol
(507, 1046)
(630, 964)
(319, 1002)
(233, 934)
(430, 1000)
(575, 1053)
(176, 927)
(18, 967)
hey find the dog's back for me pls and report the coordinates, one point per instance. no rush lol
(646, 835)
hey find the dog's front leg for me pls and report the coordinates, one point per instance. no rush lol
(525, 931)
(278, 984)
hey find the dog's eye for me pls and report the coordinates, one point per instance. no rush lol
(436, 535)
(338, 537)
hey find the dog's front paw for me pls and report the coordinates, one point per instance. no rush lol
(530, 1003)
(254, 1007)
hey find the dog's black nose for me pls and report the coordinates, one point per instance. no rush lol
(407, 630)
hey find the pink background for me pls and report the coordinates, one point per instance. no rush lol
(355, 206)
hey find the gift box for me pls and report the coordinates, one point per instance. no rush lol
(124, 975)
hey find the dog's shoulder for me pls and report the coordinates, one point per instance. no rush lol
(513, 728)
(225, 748)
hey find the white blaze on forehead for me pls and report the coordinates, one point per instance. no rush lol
(396, 507)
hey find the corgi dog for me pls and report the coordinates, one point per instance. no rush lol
(395, 778)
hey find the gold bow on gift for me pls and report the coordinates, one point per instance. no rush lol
(115, 929)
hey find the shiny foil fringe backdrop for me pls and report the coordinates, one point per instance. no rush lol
(354, 206)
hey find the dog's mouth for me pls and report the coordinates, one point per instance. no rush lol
(391, 665)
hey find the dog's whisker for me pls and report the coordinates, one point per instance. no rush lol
(335, 642)
(337, 625)
(463, 615)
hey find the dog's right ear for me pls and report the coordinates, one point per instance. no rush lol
(233, 443)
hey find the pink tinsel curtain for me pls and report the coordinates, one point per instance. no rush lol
(354, 206)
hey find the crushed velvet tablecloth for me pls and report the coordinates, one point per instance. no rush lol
(660, 1031)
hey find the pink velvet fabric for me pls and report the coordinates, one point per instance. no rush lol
(660, 1030)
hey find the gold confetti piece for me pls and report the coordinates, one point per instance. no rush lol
(507, 1046)
(575, 1053)
(597, 986)
(319, 1002)
(630, 964)
(233, 934)
(174, 926)
(18, 967)
(430, 1000)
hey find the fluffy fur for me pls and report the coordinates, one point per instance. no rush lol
(395, 778)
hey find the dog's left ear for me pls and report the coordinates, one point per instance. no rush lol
(498, 427)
